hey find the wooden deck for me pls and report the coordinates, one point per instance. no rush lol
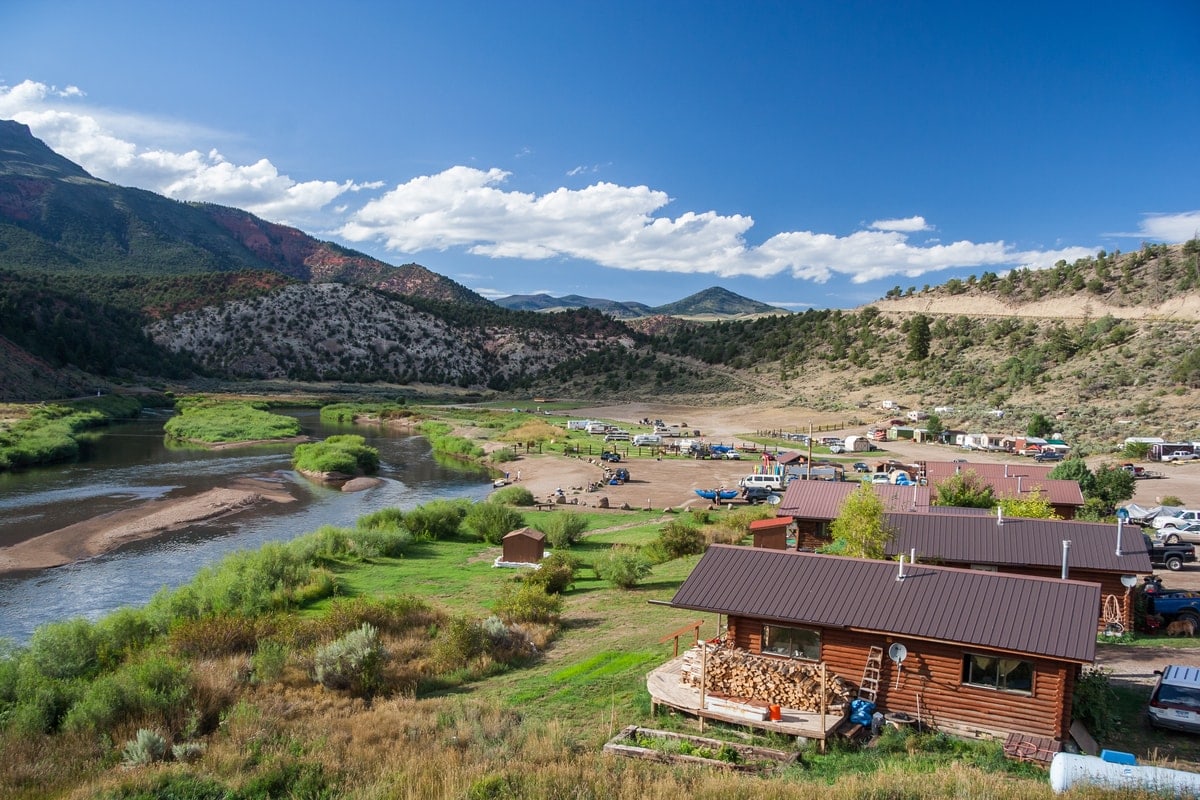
(666, 689)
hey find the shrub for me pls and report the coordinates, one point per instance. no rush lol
(65, 649)
(121, 633)
(353, 662)
(437, 519)
(622, 566)
(268, 661)
(556, 575)
(563, 529)
(503, 455)
(216, 635)
(681, 539)
(459, 642)
(527, 602)
(1095, 703)
(490, 521)
(148, 747)
(1171, 500)
(385, 519)
(186, 753)
(512, 496)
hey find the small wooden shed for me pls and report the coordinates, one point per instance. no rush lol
(771, 533)
(524, 546)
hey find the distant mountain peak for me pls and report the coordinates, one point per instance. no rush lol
(716, 300)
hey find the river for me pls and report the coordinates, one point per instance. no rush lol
(130, 463)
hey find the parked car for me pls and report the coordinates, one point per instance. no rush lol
(759, 494)
(879, 477)
(607, 456)
(1048, 455)
(1185, 532)
(731, 454)
(837, 448)
(1175, 701)
(861, 466)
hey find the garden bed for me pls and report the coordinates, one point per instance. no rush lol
(678, 748)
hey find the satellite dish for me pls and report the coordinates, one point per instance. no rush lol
(1129, 581)
(774, 499)
(898, 653)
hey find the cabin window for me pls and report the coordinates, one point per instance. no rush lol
(791, 642)
(995, 672)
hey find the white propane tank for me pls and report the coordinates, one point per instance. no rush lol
(1068, 770)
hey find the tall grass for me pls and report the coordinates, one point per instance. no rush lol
(51, 432)
(443, 441)
(345, 453)
(215, 421)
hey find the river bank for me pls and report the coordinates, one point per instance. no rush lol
(108, 532)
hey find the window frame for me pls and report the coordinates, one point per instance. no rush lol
(798, 655)
(968, 672)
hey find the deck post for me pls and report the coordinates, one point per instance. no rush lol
(823, 696)
(703, 677)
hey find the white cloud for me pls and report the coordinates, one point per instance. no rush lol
(906, 225)
(1173, 228)
(620, 227)
(96, 141)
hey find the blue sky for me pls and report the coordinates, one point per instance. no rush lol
(803, 154)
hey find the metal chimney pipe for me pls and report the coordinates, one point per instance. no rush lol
(1019, 484)
(1119, 536)
(999, 515)
(900, 574)
(912, 556)
(1066, 549)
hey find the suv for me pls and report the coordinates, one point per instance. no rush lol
(1048, 455)
(1175, 702)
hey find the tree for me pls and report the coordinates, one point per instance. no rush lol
(1074, 469)
(1033, 506)
(859, 531)
(934, 426)
(1112, 485)
(964, 490)
(1039, 426)
(918, 338)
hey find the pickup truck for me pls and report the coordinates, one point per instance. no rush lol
(1175, 520)
(1172, 604)
(1171, 556)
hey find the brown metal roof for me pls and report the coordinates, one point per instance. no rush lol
(940, 470)
(1018, 542)
(824, 499)
(526, 533)
(1015, 613)
(1020, 480)
(769, 523)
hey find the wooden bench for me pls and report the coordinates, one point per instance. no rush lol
(544, 506)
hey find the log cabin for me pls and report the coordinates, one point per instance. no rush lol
(986, 654)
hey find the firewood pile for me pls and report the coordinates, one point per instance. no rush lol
(784, 681)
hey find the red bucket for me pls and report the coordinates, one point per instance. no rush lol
(776, 713)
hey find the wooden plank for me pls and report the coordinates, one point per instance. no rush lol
(1084, 739)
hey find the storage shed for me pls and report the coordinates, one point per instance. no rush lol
(981, 653)
(524, 546)
(772, 533)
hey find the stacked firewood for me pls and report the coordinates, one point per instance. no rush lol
(783, 681)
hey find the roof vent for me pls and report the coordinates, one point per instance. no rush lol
(999, 515)
(900, 574)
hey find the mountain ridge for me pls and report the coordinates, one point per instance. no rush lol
(714, 301)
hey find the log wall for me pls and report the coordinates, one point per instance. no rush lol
(933, 673)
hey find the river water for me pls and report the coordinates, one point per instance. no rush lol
(130, 463)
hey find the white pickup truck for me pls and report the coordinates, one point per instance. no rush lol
(1179, 518)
